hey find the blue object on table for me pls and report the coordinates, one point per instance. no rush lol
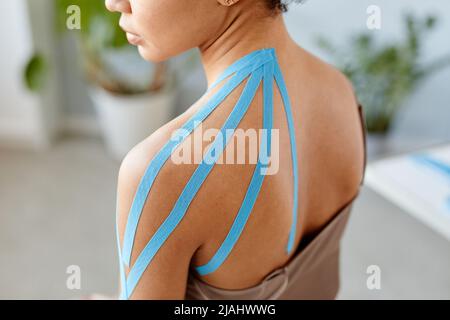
(439, 167)
(433, 163)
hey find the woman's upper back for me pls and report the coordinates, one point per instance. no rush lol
(330, 165)
(329, 159)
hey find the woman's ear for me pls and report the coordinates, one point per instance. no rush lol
(227, 3)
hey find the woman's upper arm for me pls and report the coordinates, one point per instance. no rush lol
(165, 277)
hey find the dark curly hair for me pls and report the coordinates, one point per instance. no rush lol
(280, 5)
(277, 5)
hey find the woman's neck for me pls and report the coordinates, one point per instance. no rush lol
(243, 33)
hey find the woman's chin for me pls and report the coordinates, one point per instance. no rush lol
(151, 54)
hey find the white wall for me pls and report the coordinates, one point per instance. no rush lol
(19, 110)
(28, 119)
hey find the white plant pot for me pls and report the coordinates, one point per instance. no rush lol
(127, 120)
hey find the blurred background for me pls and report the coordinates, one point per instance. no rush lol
(74, 98)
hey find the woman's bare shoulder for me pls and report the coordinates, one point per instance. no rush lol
(137, 160)
(332, 103)
(171, 178)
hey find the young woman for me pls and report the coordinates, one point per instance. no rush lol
(214, 229)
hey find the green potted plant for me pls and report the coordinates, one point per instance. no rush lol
(132, 97)
(384, 75)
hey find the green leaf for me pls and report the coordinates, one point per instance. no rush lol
(430, 22)
(35, 73)
(93, 15)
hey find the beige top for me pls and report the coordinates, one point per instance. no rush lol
(313, 272)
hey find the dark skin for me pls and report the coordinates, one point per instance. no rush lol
(328, 132)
